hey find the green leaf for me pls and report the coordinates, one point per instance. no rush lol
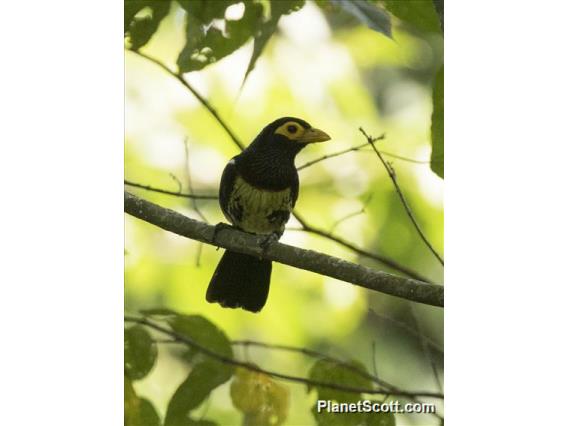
(140, 352)
(325, 418)
(277, 9)
(205, 43)
(380, 419)
(437, 129)
(261, 399)
(367, 13)
(203, 332)
(202, 379)
(419, 13)
(158, 312)
(138, 411)
(206, 374)
(332, 372)
(141, 29)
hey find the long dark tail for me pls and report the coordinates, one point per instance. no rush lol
(240, 281)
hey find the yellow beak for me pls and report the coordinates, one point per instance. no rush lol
(314, 135)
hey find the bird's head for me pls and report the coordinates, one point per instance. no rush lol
(290, 134)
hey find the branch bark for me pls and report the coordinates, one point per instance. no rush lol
(242, 242)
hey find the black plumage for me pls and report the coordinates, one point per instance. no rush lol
(258, 191)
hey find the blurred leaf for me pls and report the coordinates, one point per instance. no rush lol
(205, 42)
(261, 399)
(325, 418)
(202, 379)
(437, 129)
(332, 372)
(200, 422)
(203, 332)
(206, 374)
(367, 13)
(418, 13)
(277, 9)
(158, 312)
(439, 7)
(138, 411)
(140, 352)
(380, 419)
(141, 29)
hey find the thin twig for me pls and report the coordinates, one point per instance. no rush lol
(375, 369)
(352, 215)
(392, 175)
(176, 180)
(335, 154)
(409, 330)
(410, 160)
(230, 361)
(189, 185)
(165, 191)
(360, 148)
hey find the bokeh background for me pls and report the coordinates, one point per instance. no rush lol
(338, 75)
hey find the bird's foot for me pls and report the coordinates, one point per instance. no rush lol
(220, 226)
(268, 241)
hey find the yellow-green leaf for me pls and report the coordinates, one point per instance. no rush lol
(140, 352)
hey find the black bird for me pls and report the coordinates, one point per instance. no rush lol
(259, 188)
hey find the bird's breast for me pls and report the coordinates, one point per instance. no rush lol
(257, 210)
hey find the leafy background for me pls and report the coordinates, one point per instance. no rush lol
(339, 65)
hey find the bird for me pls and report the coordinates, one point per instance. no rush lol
(257, 193)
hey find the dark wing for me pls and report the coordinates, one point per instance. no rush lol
(294, 189)
(227, 185)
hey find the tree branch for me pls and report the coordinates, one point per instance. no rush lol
(252, 367)
(392, 175)
(232, 239)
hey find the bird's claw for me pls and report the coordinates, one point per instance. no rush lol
(269, 240)
(220, 226)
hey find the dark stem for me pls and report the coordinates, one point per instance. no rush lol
(392, 175)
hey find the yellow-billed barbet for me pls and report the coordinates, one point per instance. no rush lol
(259, 188)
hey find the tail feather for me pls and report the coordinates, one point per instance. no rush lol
(240, 281)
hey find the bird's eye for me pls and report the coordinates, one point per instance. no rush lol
(292, 129)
